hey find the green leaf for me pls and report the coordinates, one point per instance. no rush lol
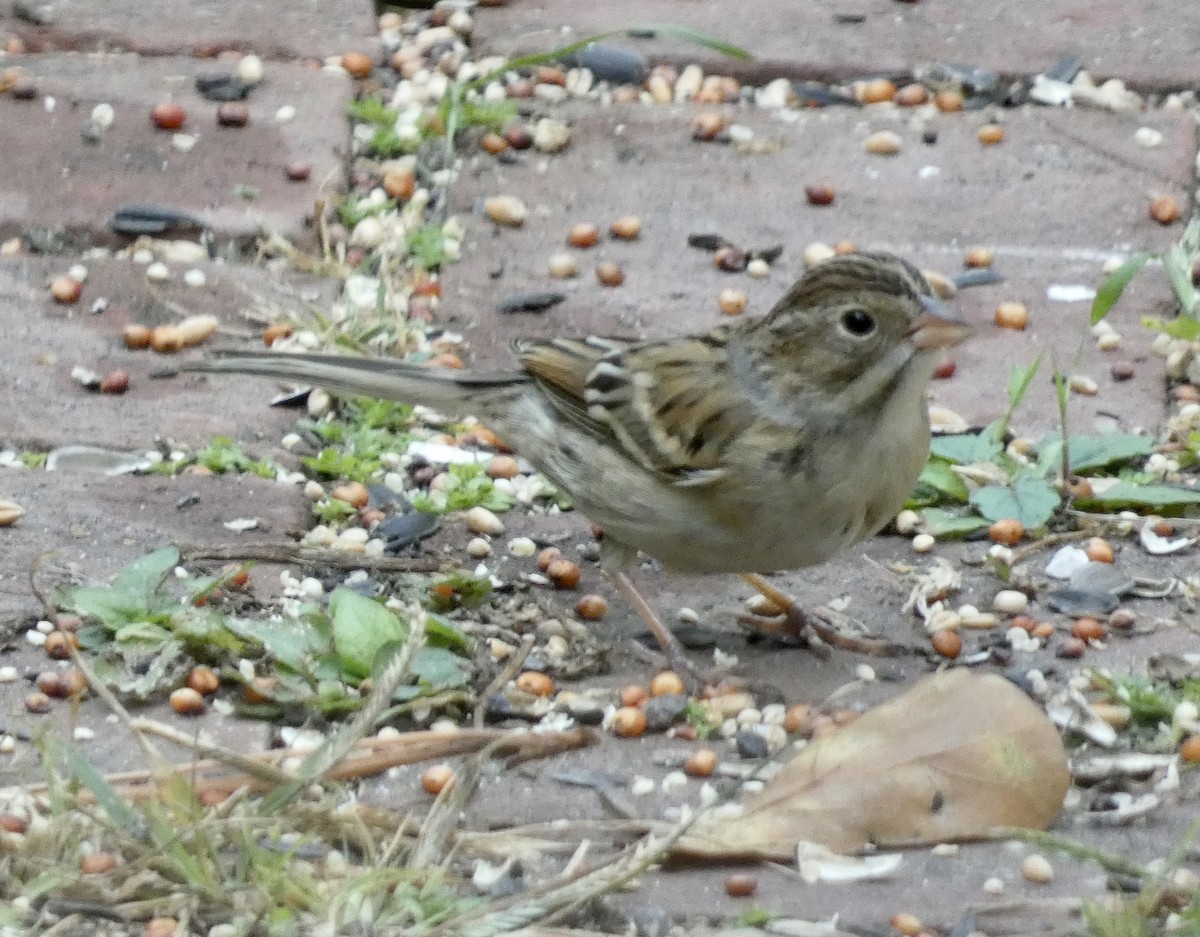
(695, 37)
(966, 448)
(133, 596)
(440, 669)
(1030, 500)
(441, 633)
(295, 643)
(1185, 327)
(1089, 453)
(1129, 495)
(1112, 288)
(1019, 381)
(361, 628)
(950, 526)
(122, 815)
(939, 478)
(1178, 264)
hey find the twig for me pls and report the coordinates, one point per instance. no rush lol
(288, 553)
(502, 678)
(1050, 540)
(1072, 847)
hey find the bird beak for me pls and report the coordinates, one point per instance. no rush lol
(936, 327)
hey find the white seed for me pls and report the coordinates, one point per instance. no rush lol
(286, 114)
(923, 543)
(482, 521)
(993, 886)
(103, 115)
(1082, 384)
(864, 672)
(550, 135)
(506, 210)
(478, 548)
(83, 734)
(758, 268)
(943, 619)
(1010, 602)
(1109, 341)
(883, 143)
(817, 252)
(158, 272)
(641, 786)
(522, 546)
(1037, 868)
(1147, 137)
(195, 277)
(8, 674)
(907, 522)
(78, 272)
(250, 69)
(562, 266)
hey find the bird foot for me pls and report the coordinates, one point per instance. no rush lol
(796, 628)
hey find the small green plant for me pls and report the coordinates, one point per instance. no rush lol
(222, 455)
(358, 438)
(466, 486)
(148, 627)
(1178, 261)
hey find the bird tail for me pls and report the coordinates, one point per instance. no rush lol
(451, 392)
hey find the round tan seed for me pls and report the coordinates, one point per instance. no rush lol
(627, 227)
(731, 302)
(990, 134)
(883, 143)
(1012, 316)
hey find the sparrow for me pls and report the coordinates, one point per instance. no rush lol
(764, 444)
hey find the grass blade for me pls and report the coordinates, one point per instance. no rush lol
(1112, 288)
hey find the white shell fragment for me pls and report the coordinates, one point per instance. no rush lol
(1070, 293)
(1066, 562)
(1160, 545)
(818, 864)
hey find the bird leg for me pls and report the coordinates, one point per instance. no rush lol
(793, 622)
(677, 659)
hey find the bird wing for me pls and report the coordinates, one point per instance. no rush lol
(665, 405)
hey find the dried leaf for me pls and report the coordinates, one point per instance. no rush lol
(957, 755)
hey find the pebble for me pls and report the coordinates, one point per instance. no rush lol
(482, 521)
(1010, 601)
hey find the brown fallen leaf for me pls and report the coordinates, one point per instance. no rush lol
(955, 756)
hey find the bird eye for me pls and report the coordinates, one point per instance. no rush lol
(858, 322)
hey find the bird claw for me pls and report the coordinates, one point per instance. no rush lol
(833, 629)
